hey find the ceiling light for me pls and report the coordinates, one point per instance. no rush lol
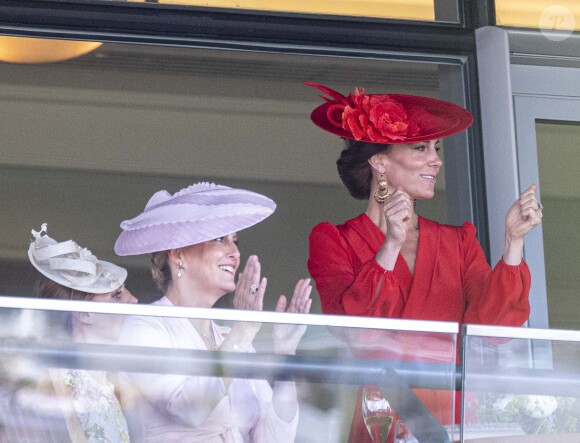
(41, 50)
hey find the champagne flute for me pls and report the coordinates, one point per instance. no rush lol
(377, 414)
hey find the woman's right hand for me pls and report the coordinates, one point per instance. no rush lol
(398, 213)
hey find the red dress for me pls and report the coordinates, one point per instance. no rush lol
(452, 279)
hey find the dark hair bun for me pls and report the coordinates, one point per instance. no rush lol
(354, 169)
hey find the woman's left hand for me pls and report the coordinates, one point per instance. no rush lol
(524, 215)
(287, 336)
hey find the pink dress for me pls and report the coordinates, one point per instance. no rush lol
(177, 408)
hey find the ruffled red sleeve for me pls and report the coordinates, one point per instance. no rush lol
(498, 296)
(347, 283)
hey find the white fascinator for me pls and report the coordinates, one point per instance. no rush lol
(72, 266)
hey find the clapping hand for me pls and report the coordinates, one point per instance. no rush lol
(250, 289)
(249, 295)
(287, 336)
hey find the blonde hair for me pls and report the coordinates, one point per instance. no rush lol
(160, 270)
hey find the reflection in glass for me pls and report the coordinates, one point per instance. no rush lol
(377, 414)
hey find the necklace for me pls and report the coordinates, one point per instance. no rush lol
(208, 339)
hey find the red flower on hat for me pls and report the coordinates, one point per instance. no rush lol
(377, 118)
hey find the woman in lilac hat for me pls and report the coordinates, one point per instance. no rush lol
(192, 238)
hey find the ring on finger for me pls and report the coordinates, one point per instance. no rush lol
(253, 289)
(540, 207)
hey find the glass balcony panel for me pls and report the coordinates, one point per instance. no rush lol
(511, 394)
(412, 362)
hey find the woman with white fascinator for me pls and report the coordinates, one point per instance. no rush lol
(71, 272)
(192, 238)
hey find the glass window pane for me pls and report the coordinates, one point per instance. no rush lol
(558, 156)
(416, 10)
(396, 9)
(546, 15)
(53, 382)
(87, 141)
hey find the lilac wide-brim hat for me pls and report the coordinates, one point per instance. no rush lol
(198, 213)
(72, 266)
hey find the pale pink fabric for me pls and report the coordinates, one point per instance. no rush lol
(175, 408)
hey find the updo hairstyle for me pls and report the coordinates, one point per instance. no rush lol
(160, 270)
(354, 169)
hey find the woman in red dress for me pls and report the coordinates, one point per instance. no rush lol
(390, 262)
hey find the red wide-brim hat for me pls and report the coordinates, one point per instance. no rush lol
(388, 118)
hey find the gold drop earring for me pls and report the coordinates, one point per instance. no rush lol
(382, 193)
(180, 267)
